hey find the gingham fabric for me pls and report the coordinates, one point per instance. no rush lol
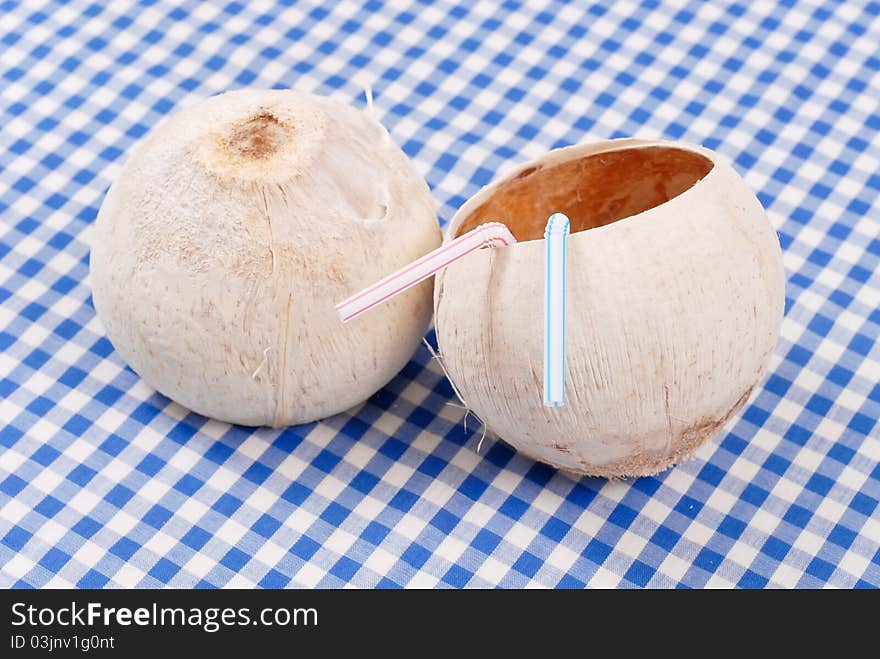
(104, 483)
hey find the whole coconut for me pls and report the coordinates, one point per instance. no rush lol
(234, 227)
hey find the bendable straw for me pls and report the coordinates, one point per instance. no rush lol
(491, 234)
(555, 236)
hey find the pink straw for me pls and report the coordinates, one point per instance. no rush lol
(491, 234)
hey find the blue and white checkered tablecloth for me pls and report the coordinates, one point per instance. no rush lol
(103, 482)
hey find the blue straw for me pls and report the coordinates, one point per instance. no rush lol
(555, 236)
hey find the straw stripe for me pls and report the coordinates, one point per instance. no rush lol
(554, 310)
(490, 234)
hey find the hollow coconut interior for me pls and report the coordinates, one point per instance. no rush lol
(594, 190)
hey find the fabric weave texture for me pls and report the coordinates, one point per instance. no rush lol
(105, 483)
